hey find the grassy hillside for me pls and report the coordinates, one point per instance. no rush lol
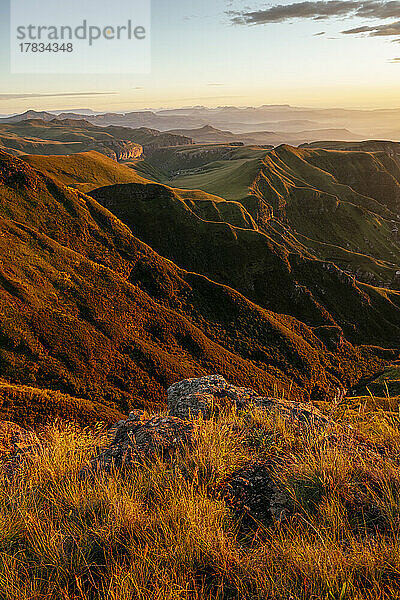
(89, 310)
(33, 407)
(183, 531)
(83, 171)
(253, 263)
(335, 205)
(220, 170)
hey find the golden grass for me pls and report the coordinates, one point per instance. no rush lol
(161, 532)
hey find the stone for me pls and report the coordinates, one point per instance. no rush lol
(140, 439)
(207, 396)
(252, 493)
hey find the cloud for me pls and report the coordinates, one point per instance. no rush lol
(56, 95)
(387, 29)
(319, 10)
(395, 60)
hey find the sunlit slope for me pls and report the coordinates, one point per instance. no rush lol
(84, 171)
(31, 406)
(89, 310)
(217, 169)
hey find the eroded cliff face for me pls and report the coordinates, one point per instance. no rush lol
(121, 150)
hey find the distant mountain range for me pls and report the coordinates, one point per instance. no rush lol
(56, 136)
(211, 134)
(288, 124)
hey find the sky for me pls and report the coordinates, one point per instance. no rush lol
(338, 53)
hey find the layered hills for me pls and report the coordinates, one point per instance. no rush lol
(242, 256)
(291, 124)
(207, 133)
(108, 298)
(68, 136)
(337, 205)
(89, 310)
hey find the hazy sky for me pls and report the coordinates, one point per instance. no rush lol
(218, 52)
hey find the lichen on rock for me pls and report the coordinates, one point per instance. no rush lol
(207, 396)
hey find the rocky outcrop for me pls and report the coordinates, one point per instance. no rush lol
(207, 396)
(121, 150)
(139, 439)
(250, 491)
(253, 493)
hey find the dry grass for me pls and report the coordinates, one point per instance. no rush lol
(162, 533)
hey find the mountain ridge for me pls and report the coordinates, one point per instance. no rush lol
(152, 321)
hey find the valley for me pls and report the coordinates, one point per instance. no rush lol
(275, 267)
(199, 350)
(200, 300)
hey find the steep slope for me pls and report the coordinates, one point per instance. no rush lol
(88, 309)
(339, 206)
(250, 261)
(339, 200)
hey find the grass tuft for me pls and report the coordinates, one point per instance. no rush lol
(162, 532)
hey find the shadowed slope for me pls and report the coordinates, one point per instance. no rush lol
(313, 291)
(338, 206)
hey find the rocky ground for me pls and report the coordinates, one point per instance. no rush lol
(226, 494)
(191, 402)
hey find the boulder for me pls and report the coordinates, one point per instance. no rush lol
(189, 398)
(139, 439)
(207, 396)
(252, 493)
